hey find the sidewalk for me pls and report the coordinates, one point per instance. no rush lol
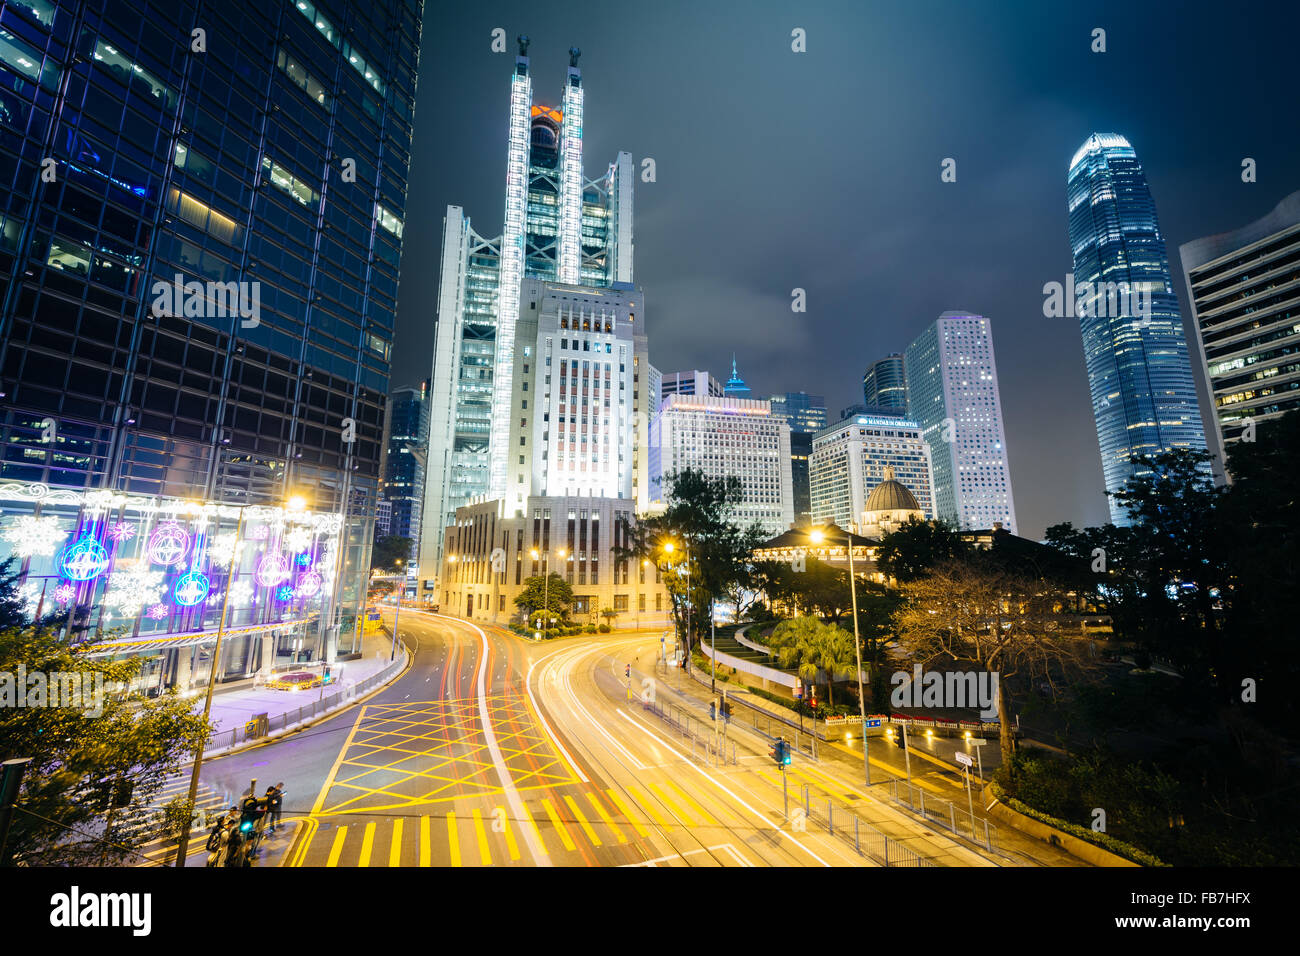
(287, 710)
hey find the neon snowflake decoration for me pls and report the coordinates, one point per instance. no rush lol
(64, 593)
(284, 594)
(34, 537)
(299, 539)
(222, 549)
(241, 595)
(158, 612)
(30, 595)
(260, 532)
(130, 590)
(121, 532)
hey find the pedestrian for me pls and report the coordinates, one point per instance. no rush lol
(274, 795)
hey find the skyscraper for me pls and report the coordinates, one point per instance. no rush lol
(403, 489)
(885, 384)
(952, 393)
(1242, 285)
(694, 382)
(728, 437)
(1139, 373)
(201, 253)
(559, 227)
(806, 416)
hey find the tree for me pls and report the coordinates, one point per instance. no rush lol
(608, 613)
(390, 553)
(916, 547)
(86, 760)
(710, 553)
(555, 597)
(819, 652)
(775, 580)
(969, 611)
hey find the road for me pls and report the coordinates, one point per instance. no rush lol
(494, 751)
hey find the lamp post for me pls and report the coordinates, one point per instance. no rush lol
(818, 536)
(546, 575)
(401, 587)
(686, 651)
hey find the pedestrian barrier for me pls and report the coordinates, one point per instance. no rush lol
(227, 739)
(960, 822)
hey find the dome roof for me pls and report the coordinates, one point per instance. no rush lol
(891, 495)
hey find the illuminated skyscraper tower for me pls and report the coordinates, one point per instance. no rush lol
(1143, 396)
(559, 227)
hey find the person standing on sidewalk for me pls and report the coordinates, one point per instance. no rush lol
(274, 801)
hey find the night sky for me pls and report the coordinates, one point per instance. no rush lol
(821, 170)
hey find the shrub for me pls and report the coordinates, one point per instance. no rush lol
(603, 629)
(589, 629)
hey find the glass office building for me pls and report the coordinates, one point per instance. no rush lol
(202, 226)
(1139, 372)
(408, 431)
(885, 384)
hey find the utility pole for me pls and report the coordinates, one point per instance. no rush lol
(182, 847)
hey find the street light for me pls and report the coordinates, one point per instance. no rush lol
(818, 536)
(669, 547)
(546, 575)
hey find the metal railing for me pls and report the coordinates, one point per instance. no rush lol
(227, 739)
(960, 821)
(866, 839)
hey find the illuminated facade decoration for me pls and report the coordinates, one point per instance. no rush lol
(122, 531)
(64, 593)
(272, 569)
(168, 545)
(1139, 372)
(191, 588)
(558, 225)
(131, 589)
(32, 536)
(952, 394)
(1242, 286)
(85, 560)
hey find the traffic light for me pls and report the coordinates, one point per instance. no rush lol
(627, 670)
(780, 752)
(713, 711)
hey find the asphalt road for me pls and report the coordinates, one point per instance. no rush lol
(494, 751)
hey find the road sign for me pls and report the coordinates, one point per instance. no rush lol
(965, 759)
(977, 742)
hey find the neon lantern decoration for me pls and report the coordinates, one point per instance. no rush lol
(273, 569)
(309, 585)
(168, 545)
(284, 594)
(191, 588)
(122, 532)
(85, 560)
(64, 593)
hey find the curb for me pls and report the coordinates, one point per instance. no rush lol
(313, 721)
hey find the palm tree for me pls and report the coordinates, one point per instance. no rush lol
(817, 649)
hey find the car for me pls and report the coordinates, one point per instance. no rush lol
(298, 680)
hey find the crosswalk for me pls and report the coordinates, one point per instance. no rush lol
(577, 822)
(210, 802)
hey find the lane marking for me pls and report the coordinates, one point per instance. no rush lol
(395, 848)
(648, 804)
(536, 829)
(627, 812)
(591, 797)
(582, 821)
(367, 844)
(453, 837)
(425, 854)
(704, 815)
(337, 849)
(484, 853)
(555, 821)
(510, 834)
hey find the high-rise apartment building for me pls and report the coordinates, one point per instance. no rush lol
(1139, 374)
(200, 250)
(1244, 287)
(725, 437)
(849, 460)
(952, 393)
(885, 384)
(559, 227)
